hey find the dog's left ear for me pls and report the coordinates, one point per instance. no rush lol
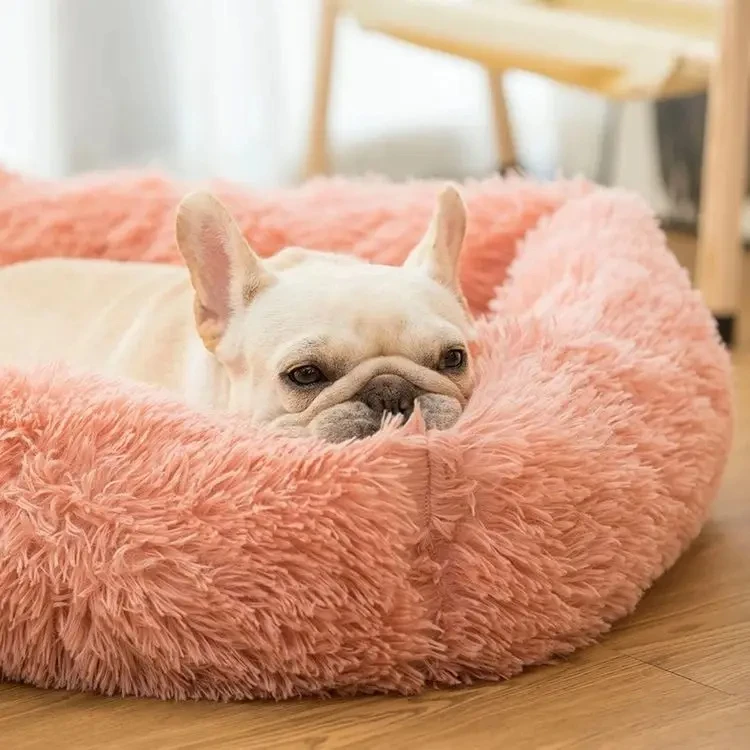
(438, 251)
(225, 272)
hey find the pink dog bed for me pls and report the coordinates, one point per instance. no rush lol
(146, 549)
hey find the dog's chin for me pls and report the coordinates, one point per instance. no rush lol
(354, 420)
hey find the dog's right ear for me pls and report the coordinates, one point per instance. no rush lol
(225, 272)
(437, 253)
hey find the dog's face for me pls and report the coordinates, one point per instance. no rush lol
(325, 343)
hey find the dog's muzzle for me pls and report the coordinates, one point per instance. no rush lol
(357, 404)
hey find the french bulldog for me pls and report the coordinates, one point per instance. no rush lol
(306, 342)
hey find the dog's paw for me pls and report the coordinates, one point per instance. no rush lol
(351, 420)
(439, 412)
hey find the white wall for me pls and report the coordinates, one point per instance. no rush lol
(28, 105)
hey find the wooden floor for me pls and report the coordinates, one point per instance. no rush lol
(674, 675)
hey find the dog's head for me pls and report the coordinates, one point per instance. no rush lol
(328, 344)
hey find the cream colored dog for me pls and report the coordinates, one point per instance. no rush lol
(309, 342)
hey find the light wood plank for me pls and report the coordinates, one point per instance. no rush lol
(598, 699)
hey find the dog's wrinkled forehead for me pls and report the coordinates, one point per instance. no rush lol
(325, 308)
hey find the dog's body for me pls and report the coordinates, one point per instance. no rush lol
(130, 320)
(314, 342)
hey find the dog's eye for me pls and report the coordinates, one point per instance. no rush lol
(306, 375)
(452, 359)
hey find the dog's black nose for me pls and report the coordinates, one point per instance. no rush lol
(389, 394)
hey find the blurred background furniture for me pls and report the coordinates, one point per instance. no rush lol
(621, 49)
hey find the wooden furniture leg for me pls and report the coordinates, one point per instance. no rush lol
(504, 141)
(316, 162)
(724, 170)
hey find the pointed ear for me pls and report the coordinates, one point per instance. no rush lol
(225, 272)
(438, 251)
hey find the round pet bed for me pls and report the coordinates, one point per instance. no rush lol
(150, 550)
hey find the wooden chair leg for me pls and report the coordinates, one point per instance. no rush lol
(724, 170)
(504, 141)
(316, 162)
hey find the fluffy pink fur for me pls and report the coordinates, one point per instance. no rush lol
(149, 550)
